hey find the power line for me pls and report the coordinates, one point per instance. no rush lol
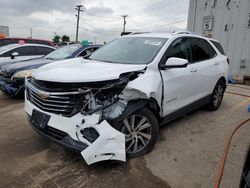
(162, 20)
(152, 6)
(159, 26)
(156, 6)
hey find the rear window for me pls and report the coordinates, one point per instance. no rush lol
(218, 46)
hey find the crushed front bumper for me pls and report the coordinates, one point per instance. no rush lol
(96, 140)
(12, 89)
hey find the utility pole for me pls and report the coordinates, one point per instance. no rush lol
(79, 9)
(31, 33)
(124, 22)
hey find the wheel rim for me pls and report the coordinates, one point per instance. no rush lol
(218, 95)
(138, 133)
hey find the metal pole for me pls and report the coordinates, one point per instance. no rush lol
(78, 8)
(124, 22)
(30, 32)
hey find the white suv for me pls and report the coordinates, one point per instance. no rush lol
(111, 105)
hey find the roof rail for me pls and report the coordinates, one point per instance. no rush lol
(183, 32)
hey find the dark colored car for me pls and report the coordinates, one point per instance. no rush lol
(12, 76)
(22, 52)
(7, 41)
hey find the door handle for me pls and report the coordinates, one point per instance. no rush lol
(216, 63)
(193, 70)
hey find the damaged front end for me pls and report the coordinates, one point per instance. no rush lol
(84, 112)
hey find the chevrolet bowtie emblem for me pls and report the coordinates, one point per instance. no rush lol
(43, 95)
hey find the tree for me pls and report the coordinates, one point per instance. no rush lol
(65, 38)
(56, 39)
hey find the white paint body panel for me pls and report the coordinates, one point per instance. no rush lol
(110, 140)
(82, 70)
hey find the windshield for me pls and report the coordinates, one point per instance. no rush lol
(129, 50)
(63, 52)
(8, 47)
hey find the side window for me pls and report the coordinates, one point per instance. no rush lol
(201, 50)
(218, 46)
(87, 52)
(42, 50)
(8, 54)
(179, 48)
(26, 51)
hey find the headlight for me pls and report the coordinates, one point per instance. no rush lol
(23, 74)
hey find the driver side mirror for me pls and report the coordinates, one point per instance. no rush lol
(13, 55)
(174, 62)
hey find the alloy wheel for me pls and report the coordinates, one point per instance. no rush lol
(218, 95)
(138, 132)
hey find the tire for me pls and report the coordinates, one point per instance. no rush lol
(144, 131)
(217, 96)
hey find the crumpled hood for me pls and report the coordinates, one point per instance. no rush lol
(82, 70)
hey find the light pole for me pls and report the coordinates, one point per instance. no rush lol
(124, 22)
(79, 9)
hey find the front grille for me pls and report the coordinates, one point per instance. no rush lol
(65, 105)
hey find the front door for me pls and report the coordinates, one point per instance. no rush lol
(179, 87)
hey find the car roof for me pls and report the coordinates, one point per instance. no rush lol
(153, 35)
(27, 44)
(18, 38)
(169, 35)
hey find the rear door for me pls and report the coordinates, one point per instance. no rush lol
(179, 90)
(206, 67)
(26, 52)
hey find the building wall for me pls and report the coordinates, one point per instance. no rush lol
(4, 30)
(229, 22)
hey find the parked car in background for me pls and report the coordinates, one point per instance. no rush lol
(112, 104)
(12, 76)
(17, 52)
(7, 41)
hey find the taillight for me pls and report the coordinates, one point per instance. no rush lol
(228, 61)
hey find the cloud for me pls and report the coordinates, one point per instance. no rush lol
(99, 11)
(26, 7)
(101, 19)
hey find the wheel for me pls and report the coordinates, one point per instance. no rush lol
(217, 96)
(141, 132)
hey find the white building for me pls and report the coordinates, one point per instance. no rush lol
(4, 30)
(229, 22)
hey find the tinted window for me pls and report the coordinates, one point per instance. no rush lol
(26, 51)
(179, 48)
(43, 50)
(201, 50)
(218, 46)
(87, 52)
